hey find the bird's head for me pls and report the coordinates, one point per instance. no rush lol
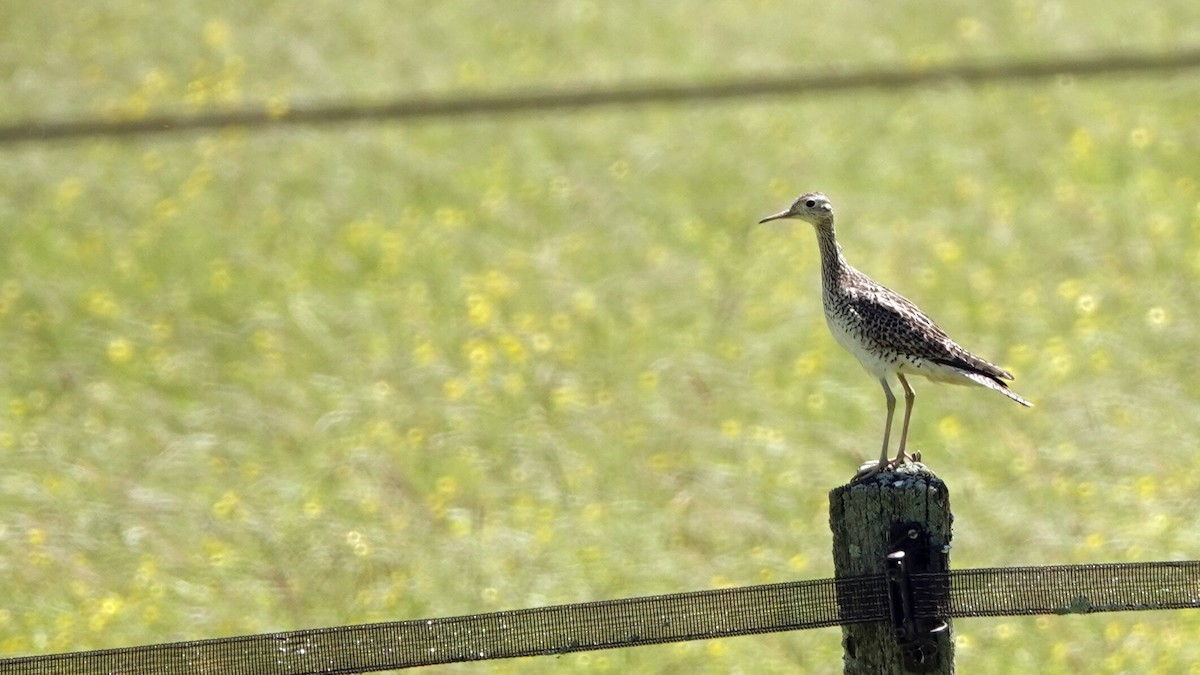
(811, 207)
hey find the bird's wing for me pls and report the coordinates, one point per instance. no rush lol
(903, 328)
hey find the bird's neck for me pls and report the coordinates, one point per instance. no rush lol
(833, 264)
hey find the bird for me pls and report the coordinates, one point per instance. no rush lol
(890, 336)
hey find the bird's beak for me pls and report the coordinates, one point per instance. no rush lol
(778, 216)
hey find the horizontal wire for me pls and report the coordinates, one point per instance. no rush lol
(1059, 589)
(638, 94)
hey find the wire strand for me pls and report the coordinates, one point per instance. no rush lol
(533, 101)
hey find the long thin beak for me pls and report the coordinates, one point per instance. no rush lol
(778, 216)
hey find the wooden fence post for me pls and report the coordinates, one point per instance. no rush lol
(909, 509)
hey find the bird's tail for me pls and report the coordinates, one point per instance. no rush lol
(994, 383)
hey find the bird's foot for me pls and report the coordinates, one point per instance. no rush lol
(871, 468)
(868, 469)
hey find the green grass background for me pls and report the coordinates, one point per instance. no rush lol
(258, 381)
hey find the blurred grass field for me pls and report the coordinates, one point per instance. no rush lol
(306, 377)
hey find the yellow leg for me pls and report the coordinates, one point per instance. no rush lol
(887, 426)
(909, 397)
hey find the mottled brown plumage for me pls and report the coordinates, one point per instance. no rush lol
(888, 334)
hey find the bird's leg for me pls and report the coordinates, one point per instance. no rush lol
(909, 397)
(887, 426)
(871, 468)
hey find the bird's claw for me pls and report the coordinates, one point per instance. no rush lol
(868, 469)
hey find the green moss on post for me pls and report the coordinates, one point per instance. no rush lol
(866, 517)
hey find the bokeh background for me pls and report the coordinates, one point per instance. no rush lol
(257, 380)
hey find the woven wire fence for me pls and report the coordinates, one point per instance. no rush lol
(1063, 589)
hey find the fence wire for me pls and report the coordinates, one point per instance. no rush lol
(1067, 589)
(547, 100)
(1064, 589)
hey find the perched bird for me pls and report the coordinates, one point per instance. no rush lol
(888, 334)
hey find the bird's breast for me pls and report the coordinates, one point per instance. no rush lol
(847, 331)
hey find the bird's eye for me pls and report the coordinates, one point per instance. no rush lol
(810, 203)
